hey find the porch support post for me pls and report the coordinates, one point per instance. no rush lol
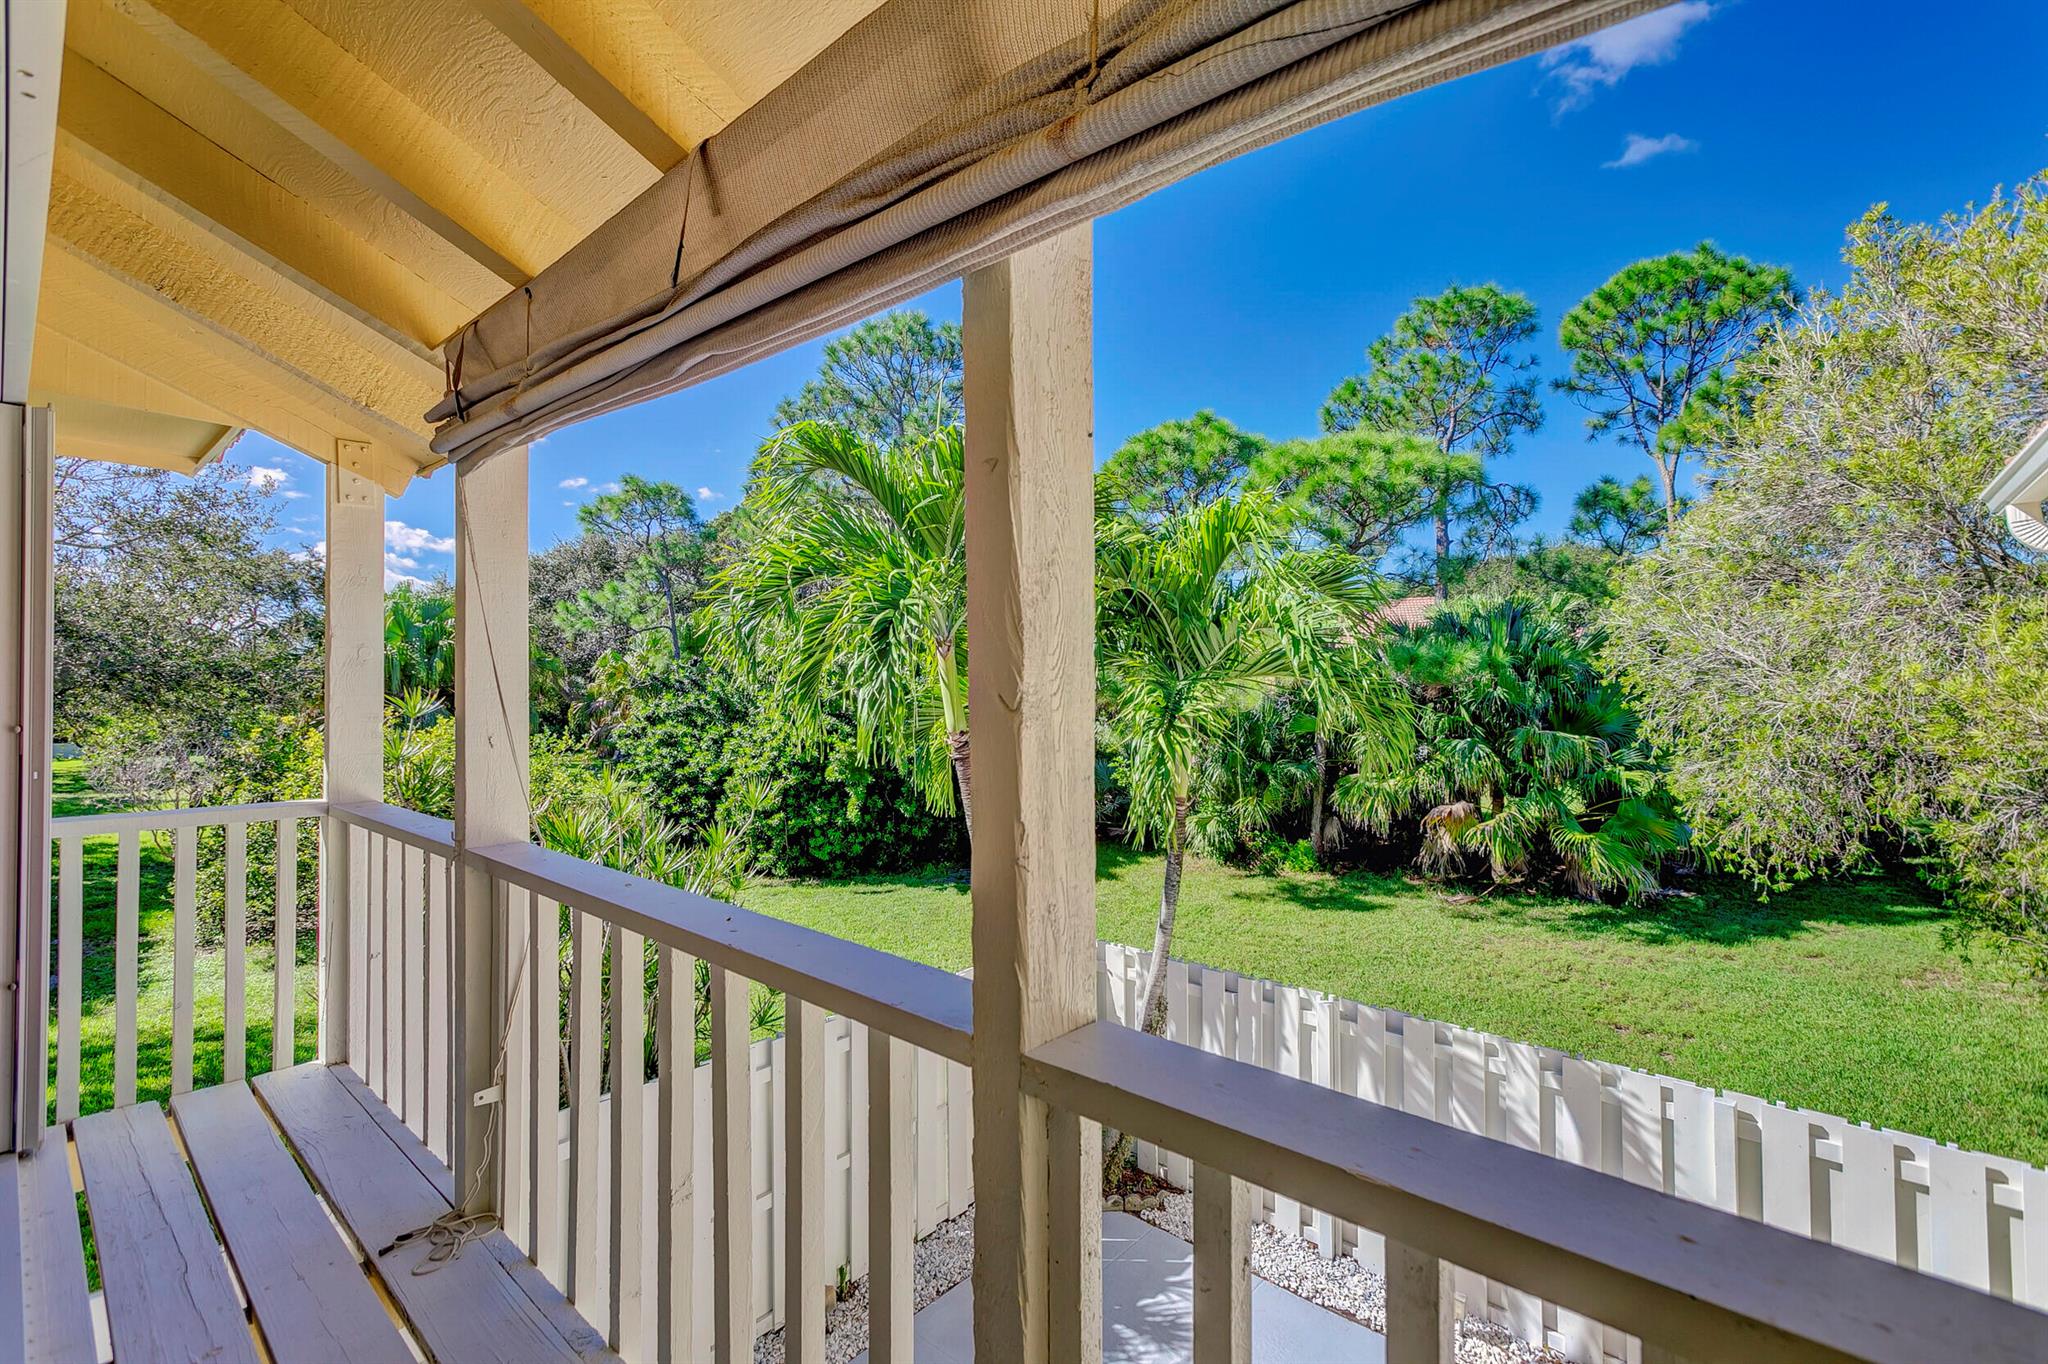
(1031, 682)
(491, 790)
(354, 740)
(26, 454)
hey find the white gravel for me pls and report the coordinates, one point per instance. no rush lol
(943, 1260)
(945, 1257)
(1346, 1287)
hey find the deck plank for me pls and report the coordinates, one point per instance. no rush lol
(582, 1337)
(56, 1306)
(469, 1309)
(167, 1289)
(308, 1293)
(12, 1324)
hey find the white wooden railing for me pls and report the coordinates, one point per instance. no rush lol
(184, 827)
(1690, 1281)
(595, 1236)
(1979, 1219)
(398, 868)
(600, 1172)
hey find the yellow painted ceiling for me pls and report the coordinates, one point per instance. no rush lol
(268, 213)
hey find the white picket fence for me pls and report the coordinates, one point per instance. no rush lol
(1959, 1214)
(941, 1132)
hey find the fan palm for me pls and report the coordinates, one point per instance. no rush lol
(419, 641)
(1201, 617)
(853, 572)
(1526, 757)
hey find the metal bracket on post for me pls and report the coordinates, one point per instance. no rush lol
(352, 484)
(484, 1098)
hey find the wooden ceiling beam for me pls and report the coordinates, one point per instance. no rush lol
(123, 137)
(329, 145)
(134, 236)
(102, 310)
(590, 87)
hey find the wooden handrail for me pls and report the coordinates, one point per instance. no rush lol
(1705, 1284)
(919, 1004)
(425, 832)
(194, 817)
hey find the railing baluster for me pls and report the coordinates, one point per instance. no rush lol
(1223, 1268)
(1074, 1278)
(390, 1021)
(514, 907)
(127, 946)
(586, 1287)
(629, 1079)
(358, 845)
(412, 902)
(892, 1205)
(440, 1000)
(372, 977)
(803, 1260)
(234, 1039)
(544, 1091)
(732, 1162)
(1420, 1327)
(675, 1230)
(284, 926)
(70, 923)
(184, 922)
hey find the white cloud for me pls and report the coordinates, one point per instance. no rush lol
(1640, 149)
(707, 495)
(607, 487)
(293, 494)
(392, 578)
(265, 479)
(1599, 60)
(412, 539)
(568, 504)
(574, 483)
(400, 561)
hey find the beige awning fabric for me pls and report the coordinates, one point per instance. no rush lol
(932, 138)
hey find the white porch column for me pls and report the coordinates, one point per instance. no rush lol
(354, 740)
(26, 456)
(1031, 683)
(491, 791)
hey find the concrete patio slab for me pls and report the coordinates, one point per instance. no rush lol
(1148, 1311)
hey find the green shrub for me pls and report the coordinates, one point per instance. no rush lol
(1527, 762)
(826, 813)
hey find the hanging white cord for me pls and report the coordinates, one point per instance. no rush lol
(447, 1235)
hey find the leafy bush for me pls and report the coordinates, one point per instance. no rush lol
(1525, 757)
(419, 762)
(1834, 647)
(824, 811)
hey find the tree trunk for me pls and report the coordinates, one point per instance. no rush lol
(1153, 1014)
(1669, 472)
(1443, 555)
(963, 772)
(1315, 828)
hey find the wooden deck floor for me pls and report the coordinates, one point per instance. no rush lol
(235, 1228)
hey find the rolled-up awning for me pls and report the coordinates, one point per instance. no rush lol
(934, 137)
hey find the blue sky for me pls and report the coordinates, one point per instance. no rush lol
(1765, 125)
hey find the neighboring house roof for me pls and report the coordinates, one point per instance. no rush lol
(1409, 612)
(2020, 488)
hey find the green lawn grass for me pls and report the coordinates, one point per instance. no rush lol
(72, 795)
(1839, 997)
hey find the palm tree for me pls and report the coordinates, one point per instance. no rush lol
(852, 574)
(1525, 755)
(1201, 617)
(419, 641)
